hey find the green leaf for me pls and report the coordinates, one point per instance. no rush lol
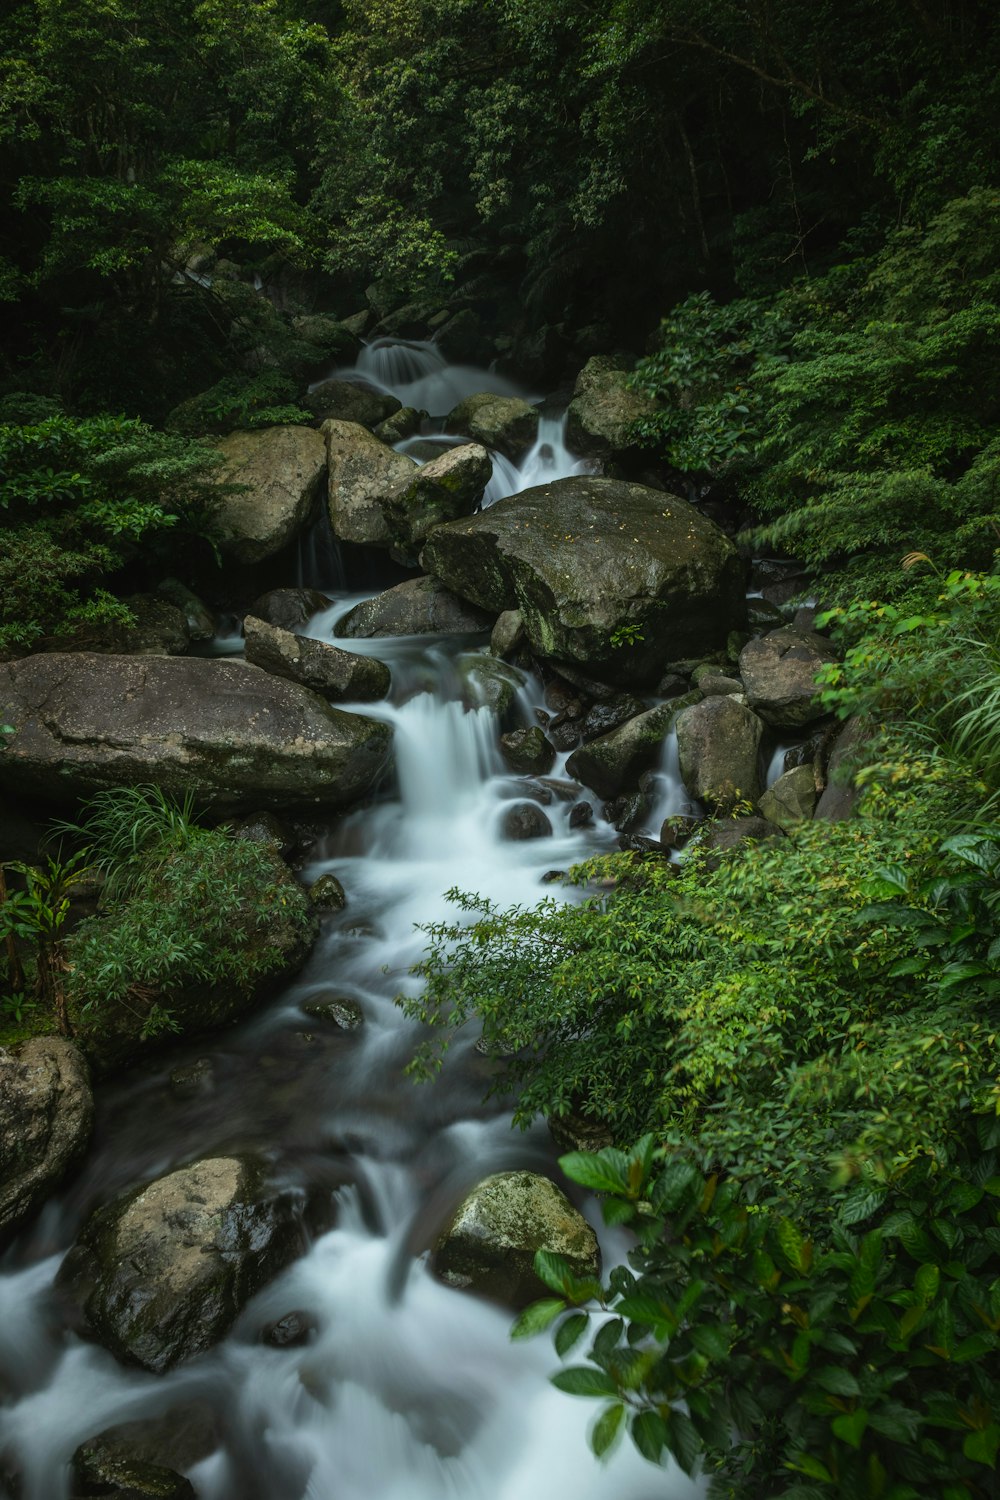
(537, 1317)
(570, 1332)
(850, 1426)
(553, 1269)
(607, 1428)
(982, 1446)
(584, 1380)
(601, 1171)
(710, 1340)
(837, 1380)
(649, 1434)
(807, 1463)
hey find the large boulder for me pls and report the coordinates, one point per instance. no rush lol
(363, 475)
(420, 606)
(236, 737)
(350, 401)
(46, 1115)
(791, 798)
(288, 608)
(490, 1244)
(450, 486)
(779, 673)
(162, 1273)
(612, 576)
(340, 675)
(613, 762)
(282, 468)
(505, 424)
(603, 409)
(718, 745)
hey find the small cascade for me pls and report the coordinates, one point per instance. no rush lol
(549, 459)
(320, 560)
(776, 765)
(417, 374)
(673, 800)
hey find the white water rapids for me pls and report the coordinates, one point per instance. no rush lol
(408, 1390)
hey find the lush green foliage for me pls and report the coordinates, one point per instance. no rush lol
(861, 1365)
(78, 498)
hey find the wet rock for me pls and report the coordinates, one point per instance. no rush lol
(715, 685)
(161, 1273)
(718, 744)
(791, 798)
(405, 423)
(234, 736)
(159, 628)
(602, 718)
(290, 1332)
(420, 606)
(581, 816)
(194, 1079)
(46, 1116)
(328, 893)
(490, 1244)
(282, 469)
(342, 676)
(553, 877)
(288, 609)
(340, 1011)
(762, 615)
(461, 338)
(103, 1469)
(364, 475)
(525, 820)
(504, 424)
(351, 401)
(198, 618)
(629, 812)
(450, 486)
(583, 557)
(508, 633)
(579, 1132)
(615, 761)
(527, 752)
(677, 829)
(603, 409)
(640, 843)
(264, 828)
(672, 685)
(489, 683)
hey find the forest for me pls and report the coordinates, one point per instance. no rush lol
(782, 221)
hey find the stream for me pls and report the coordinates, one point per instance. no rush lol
(407, 1389)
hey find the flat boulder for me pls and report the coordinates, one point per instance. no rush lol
(504, 424)
(337, 674)
(779, 673)
(450, 486)
(46, 1115)
(420, 606)
(364, 474)
(350, 401)
(282, 469)
(604, 407)
(162, 1273)
(718, 746)
(236, 737)
(615, 577)
(490, 1244)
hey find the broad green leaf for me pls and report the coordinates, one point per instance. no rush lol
(850, 1426)
(982, 1446)
(837, 1380)
(649, 1434)
(553, 1269)
(537, 1317)
(584, 1380)
(570, 1332)
(601, 1171)
(607, 1428)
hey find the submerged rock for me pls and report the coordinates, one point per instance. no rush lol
(46, 1116)
(162, 1273)
(236, 737)
(489, 1246)
(614, 577)
(108, 1471)
(283, 469)
(340, 1011)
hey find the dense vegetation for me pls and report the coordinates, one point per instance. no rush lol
(786, 217)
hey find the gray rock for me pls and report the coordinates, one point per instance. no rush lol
(615, 761)
(450, 486)
(525, 820)
(288, 608)
(489, 683)
(840, 796)
(583, 557)
(715, 685)
(236, 737)
(504, 424)
(341, 1011)
(343, 676)
(779, 672)
(350, 401)
(791, 798)
(460, 337)
(198, 618)
(159, 629)
(603, 408)
(405, 423)
(161, 1273)
(722, 838)
(282, 468)
(112, 1473)
(490, 1244)
(602, 718)
(508, 633)
(420, 606)
(46, 1115)
(264, 828)
(718, 744)
(527, 752)
(363, 475)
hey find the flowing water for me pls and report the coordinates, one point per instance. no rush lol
(407, 1389)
